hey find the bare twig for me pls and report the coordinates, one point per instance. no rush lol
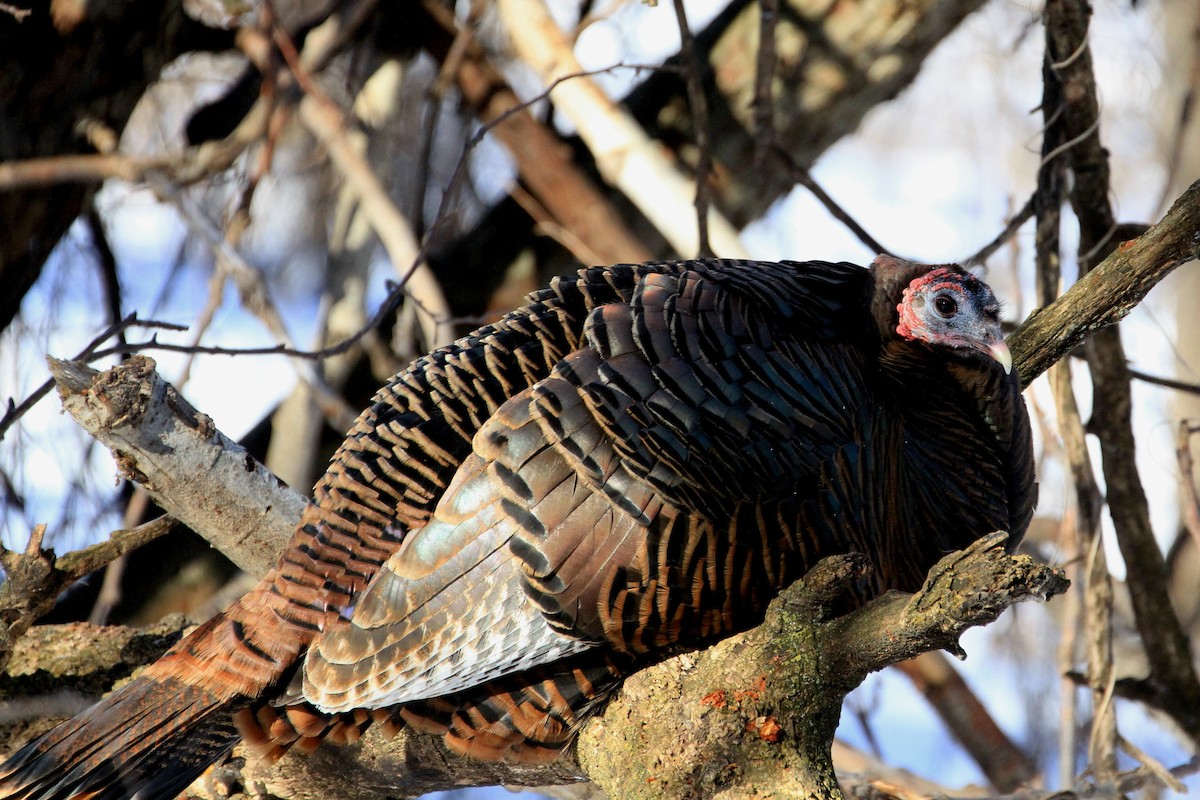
(92, 168)
(110, 588)
(1148, 776)
(699, 108)
(328, 124)
(546, 167)
(255, 298)
(1097, 583)
(1153, 766)
(547, 225)
(19, 14)
(394, 299)
(184, 167)
(1010, 230)
(1101, 677)
(92, 351)
(1069, 635)
(764, 80)
(107, 266)
(1170, 383)
(1047, 200)
(625, 155)
(802, 176)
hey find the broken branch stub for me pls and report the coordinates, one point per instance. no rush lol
(197, 474)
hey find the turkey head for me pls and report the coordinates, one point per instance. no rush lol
(947, 307)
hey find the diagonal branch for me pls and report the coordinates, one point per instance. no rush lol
(164, 444)
(625, 155)
(1111, 290)
(546, 166)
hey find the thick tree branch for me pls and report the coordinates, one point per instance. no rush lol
(35, 578)
(759, 709)
(190, 468)
(1109, 292)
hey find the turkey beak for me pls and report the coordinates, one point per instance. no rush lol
(999, 351)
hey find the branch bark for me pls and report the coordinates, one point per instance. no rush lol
(1110, 291)
(756, 710)
(176, 453)
(626, 156)
(759, 709)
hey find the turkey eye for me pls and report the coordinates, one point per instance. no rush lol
(945, 306)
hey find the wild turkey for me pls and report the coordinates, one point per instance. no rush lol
(633, 463)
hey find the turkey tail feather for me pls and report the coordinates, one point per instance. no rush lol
(148, 740)
(152, 737)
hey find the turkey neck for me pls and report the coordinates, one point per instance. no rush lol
(947, 406)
